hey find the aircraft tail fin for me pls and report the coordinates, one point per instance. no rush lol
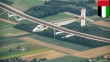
(83, 15)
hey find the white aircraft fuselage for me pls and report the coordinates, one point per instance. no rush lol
(40, 28)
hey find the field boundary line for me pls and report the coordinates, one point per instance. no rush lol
(5, 20)
(55, 47)
(6, 29)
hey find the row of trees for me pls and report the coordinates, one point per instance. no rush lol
(15, 59)
(19, 59)
(92, 29)
(54, 7)
(87, 29)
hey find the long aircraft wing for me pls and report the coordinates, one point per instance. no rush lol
(63, 22)
(39, 21)
(79, 16)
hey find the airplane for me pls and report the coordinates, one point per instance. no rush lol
(40, 28)
(82, 17)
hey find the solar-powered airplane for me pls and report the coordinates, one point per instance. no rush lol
(50, 25)
(82, 17)
(40, 27)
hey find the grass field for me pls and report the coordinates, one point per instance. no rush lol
(7, 2)
(7, 43)
(30, 50)
(104, 61)
(61, 43)
(68, 59)
(59, 16)
(5, 25)
(72, 0)
(32, 2)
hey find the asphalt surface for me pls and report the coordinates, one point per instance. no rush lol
(12, 10)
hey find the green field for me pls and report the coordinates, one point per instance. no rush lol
(32, 2)
(7, 43)
(59, 16)
(73, 0)
(103, 60)
(7, 2)
(27, 2)
(4, 53)
(68, 59)
(61, 43)
(5, 25)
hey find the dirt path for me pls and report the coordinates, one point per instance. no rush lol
(48, 55)
(94, 52)
(102, 23)
(59, 48)
(4, 20)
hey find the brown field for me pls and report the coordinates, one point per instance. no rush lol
(102, 23)
(11, 22)
(59, 48)
(51, 54)
(6, 29)
(21, 7)
(94, 52)
(15, 34)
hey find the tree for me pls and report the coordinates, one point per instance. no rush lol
(18, 47)
(10, 50)
(34, 60)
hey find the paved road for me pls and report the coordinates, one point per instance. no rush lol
(12, 10)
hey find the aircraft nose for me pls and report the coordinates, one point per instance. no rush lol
(34, 30)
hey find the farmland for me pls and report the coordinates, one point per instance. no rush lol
(59, 16)
(103, 23)
(61, 43)
(94, 52)
(14, 53)
(7, 2)
(32, 2)
(48, 54)
(68, 58)
(10, 40)
(11, 43)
